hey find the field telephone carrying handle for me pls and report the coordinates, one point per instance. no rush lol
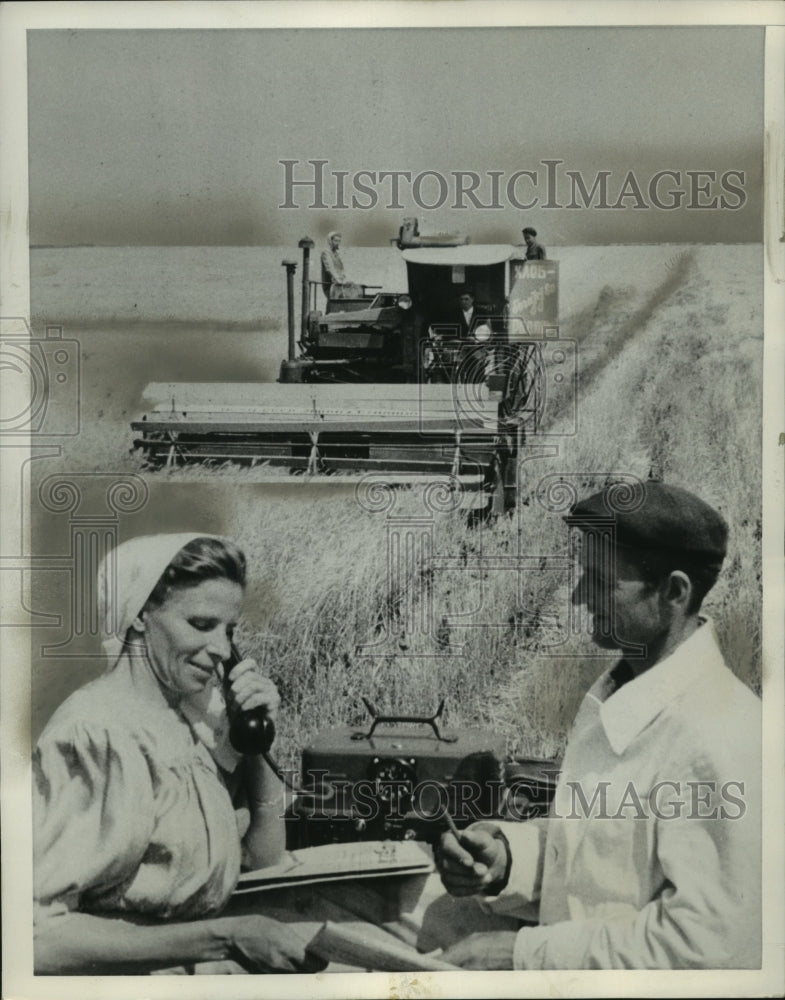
(250, 732)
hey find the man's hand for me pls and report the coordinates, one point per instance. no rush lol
(474, 862)
(486, 950)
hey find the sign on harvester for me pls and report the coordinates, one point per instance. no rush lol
(534, 299)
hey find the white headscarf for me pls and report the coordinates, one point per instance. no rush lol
(127, 576)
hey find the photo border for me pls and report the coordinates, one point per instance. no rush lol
(15, 20)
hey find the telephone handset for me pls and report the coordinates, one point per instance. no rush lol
(250, 732)
(253, 732)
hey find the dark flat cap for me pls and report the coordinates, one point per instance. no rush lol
(662, 517)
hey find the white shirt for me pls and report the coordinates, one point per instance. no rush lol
(618, 882)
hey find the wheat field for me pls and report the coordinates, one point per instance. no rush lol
(669, 362)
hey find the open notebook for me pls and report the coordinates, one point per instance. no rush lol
(332, 862)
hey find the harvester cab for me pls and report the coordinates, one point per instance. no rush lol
(440, 279)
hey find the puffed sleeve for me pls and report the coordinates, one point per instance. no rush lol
(92, 812)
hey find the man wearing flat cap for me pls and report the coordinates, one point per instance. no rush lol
(650, 856)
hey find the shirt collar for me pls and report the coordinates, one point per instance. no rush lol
(641, 700)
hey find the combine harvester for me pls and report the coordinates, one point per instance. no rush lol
(384, 382)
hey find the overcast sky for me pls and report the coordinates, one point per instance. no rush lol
(175, 137)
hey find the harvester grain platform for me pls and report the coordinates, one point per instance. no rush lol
(400, 429)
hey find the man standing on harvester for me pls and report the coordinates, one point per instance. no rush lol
(333, 273)
(534, 250)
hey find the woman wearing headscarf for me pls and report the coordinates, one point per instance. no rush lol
(143, 812)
